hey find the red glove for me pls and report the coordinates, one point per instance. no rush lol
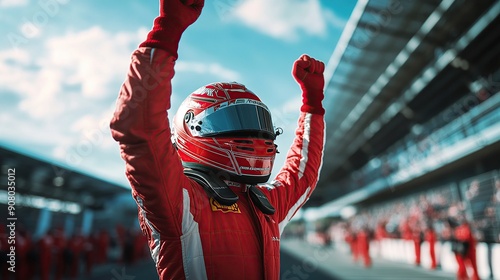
(308, 72)
(175, 17)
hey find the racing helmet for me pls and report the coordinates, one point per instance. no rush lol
(226, 130)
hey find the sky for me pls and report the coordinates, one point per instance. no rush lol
(62, 63)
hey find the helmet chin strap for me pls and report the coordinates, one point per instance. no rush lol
(219, 190)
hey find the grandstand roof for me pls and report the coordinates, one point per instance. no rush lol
(398, 64)
(37, 177)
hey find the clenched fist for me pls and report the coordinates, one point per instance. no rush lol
(175, 17)
(184, 12)
(308, 72)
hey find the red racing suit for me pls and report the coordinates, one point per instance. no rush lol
(190, 235)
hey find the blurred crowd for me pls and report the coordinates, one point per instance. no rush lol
(57, 255)
(461, 215)
(437, 209)
(433, 217)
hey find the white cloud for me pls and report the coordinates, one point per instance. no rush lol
(30, 31)
(214, 69)
(92, 59)
(284, 19)
(292, 105)
(17, 130)
(334, 19)
(66, 69)
(13, 3)
(63, 90)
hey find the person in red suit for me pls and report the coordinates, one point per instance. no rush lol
(380, 235)
(23, 246)
(416, 233)
(45, 246)
(203, 192)
(431, 238)
(464, 247)
(76, 246)
(350, 238)
(59, 241)
(363, 240)
(404, 229)
(141, 244)
(89, 253)
(102, 246)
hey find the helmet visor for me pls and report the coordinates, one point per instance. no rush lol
(244, 117)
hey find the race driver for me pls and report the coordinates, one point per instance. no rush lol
(202, 193)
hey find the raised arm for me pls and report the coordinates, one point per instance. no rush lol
(140, 123)
(298, 177)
